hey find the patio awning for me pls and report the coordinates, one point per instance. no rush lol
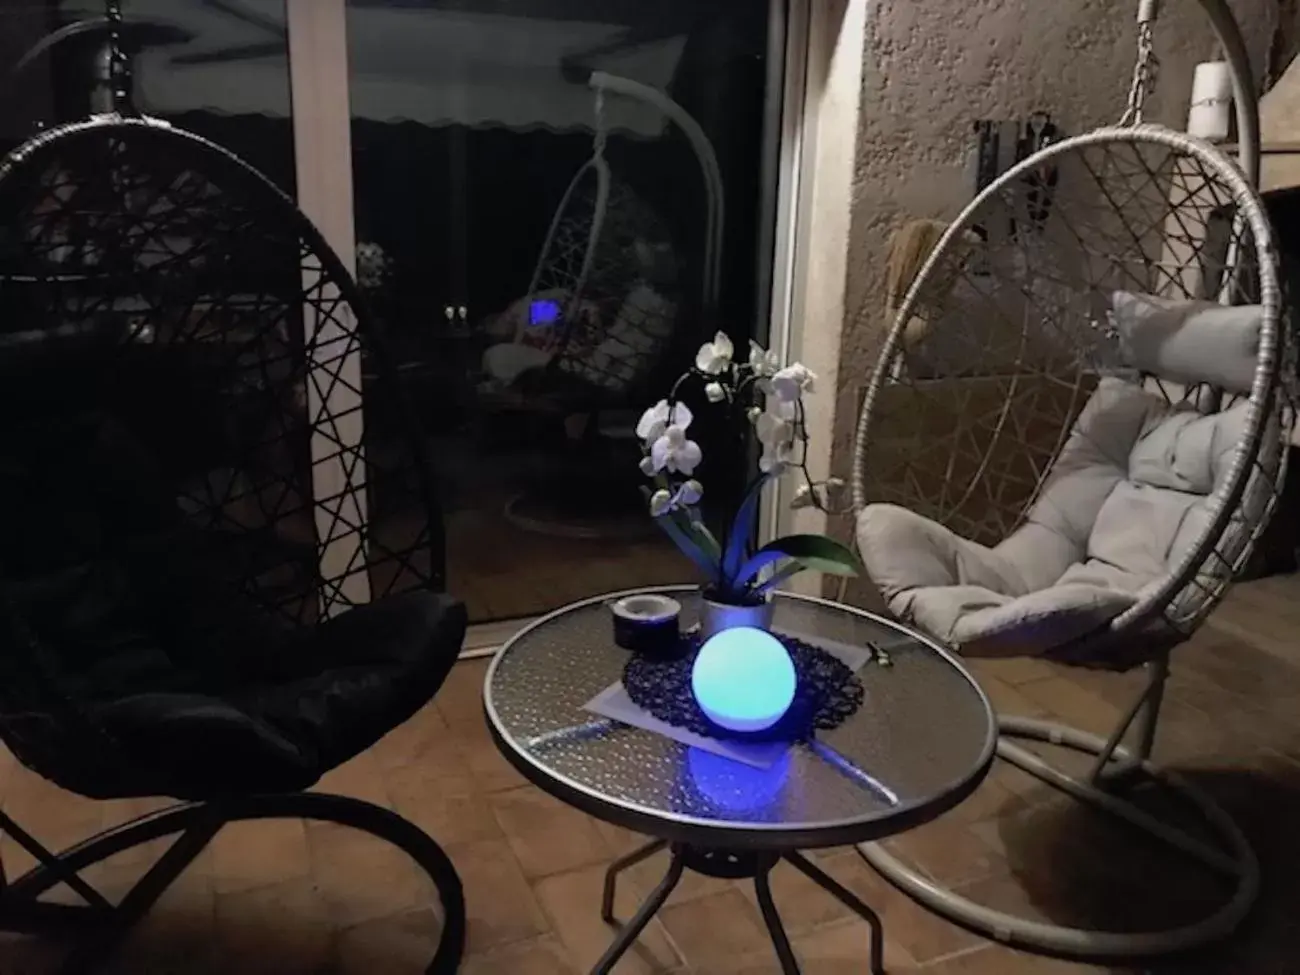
(421, 64)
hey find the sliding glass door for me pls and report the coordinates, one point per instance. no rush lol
(549, 203)
(556, 202)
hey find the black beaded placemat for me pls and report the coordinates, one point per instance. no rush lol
(827, 693)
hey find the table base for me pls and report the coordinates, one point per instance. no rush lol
(731, 865)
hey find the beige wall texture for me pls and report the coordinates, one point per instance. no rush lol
(933, 67)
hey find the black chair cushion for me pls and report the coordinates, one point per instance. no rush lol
(307, 706)
(202, 681)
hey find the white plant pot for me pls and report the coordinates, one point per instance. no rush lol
(717, 616)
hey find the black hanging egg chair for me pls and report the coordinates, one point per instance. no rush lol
(220, 559)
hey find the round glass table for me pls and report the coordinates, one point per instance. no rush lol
(921, 742)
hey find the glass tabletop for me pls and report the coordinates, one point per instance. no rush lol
(921, 742)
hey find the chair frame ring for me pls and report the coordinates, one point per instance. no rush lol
(105, 925)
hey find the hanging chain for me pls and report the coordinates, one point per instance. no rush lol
(118, 69)
(601, 132)
(1147, 67)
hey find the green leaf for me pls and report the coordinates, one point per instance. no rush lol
(779, 576)
(738, 540)
(689, 546)
(816, 552)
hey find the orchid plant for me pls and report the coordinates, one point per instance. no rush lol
(768, 397)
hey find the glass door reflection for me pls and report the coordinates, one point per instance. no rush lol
(547, 255)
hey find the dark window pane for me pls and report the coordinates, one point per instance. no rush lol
(530, 362)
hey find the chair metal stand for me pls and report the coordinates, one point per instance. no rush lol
(101, 925)
(731, 865)
(1116, 768)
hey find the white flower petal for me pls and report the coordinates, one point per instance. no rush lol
(661, 452)
(688, 457)
(715, 393)
(722, 346)
(675, 436)
(690, 492)
(706, 361)
(653, 420)
(679, 415)
(647, 466)
(660, 503)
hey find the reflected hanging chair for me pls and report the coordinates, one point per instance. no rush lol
(219, 559)
(1076, 433)
(603, 305)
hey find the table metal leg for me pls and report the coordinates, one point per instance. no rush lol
(617, 867)
(849, 900)
(632, 930)
(784, 953)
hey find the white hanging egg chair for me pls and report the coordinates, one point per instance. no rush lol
(1076, 433)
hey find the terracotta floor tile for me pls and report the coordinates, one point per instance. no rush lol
(950, 851)
(572, 904)
(424, 739)
(1073, 704)
(360, 778)
(179, 933)
(362, 877)
(996, 960)
(719, 932)
(645, 877)
(1014, 670)
(402, 944)
(1009, 699)
(253, 854)
(486, 764)
(842, 949)
(539, 956)
(546, 835)
(991, 799)
(444, 802)
(802, 904)
(918, 932)
(502, 908)
(460, 699)
(285, 927)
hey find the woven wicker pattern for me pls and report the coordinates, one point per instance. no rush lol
(1005, 331)
(608, 264)
(160, 294)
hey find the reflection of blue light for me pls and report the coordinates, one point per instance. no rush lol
(734, 785)
(743, 679)
(543, 312)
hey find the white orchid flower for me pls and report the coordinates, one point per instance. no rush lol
(656, 420)
(673, 452)
(762, 361)
(714, 358)
(661, 502)
(776, 434)
(690, 492)
(715, 393)
(790, 383)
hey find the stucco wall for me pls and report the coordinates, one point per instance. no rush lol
(932, 67)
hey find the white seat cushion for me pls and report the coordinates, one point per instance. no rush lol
(1133, 487)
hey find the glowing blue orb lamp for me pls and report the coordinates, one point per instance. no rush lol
(743, 679)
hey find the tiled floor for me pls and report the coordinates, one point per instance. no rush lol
(286, 898)
(504, 572)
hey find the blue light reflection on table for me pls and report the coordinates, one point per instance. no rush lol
(736, 786)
